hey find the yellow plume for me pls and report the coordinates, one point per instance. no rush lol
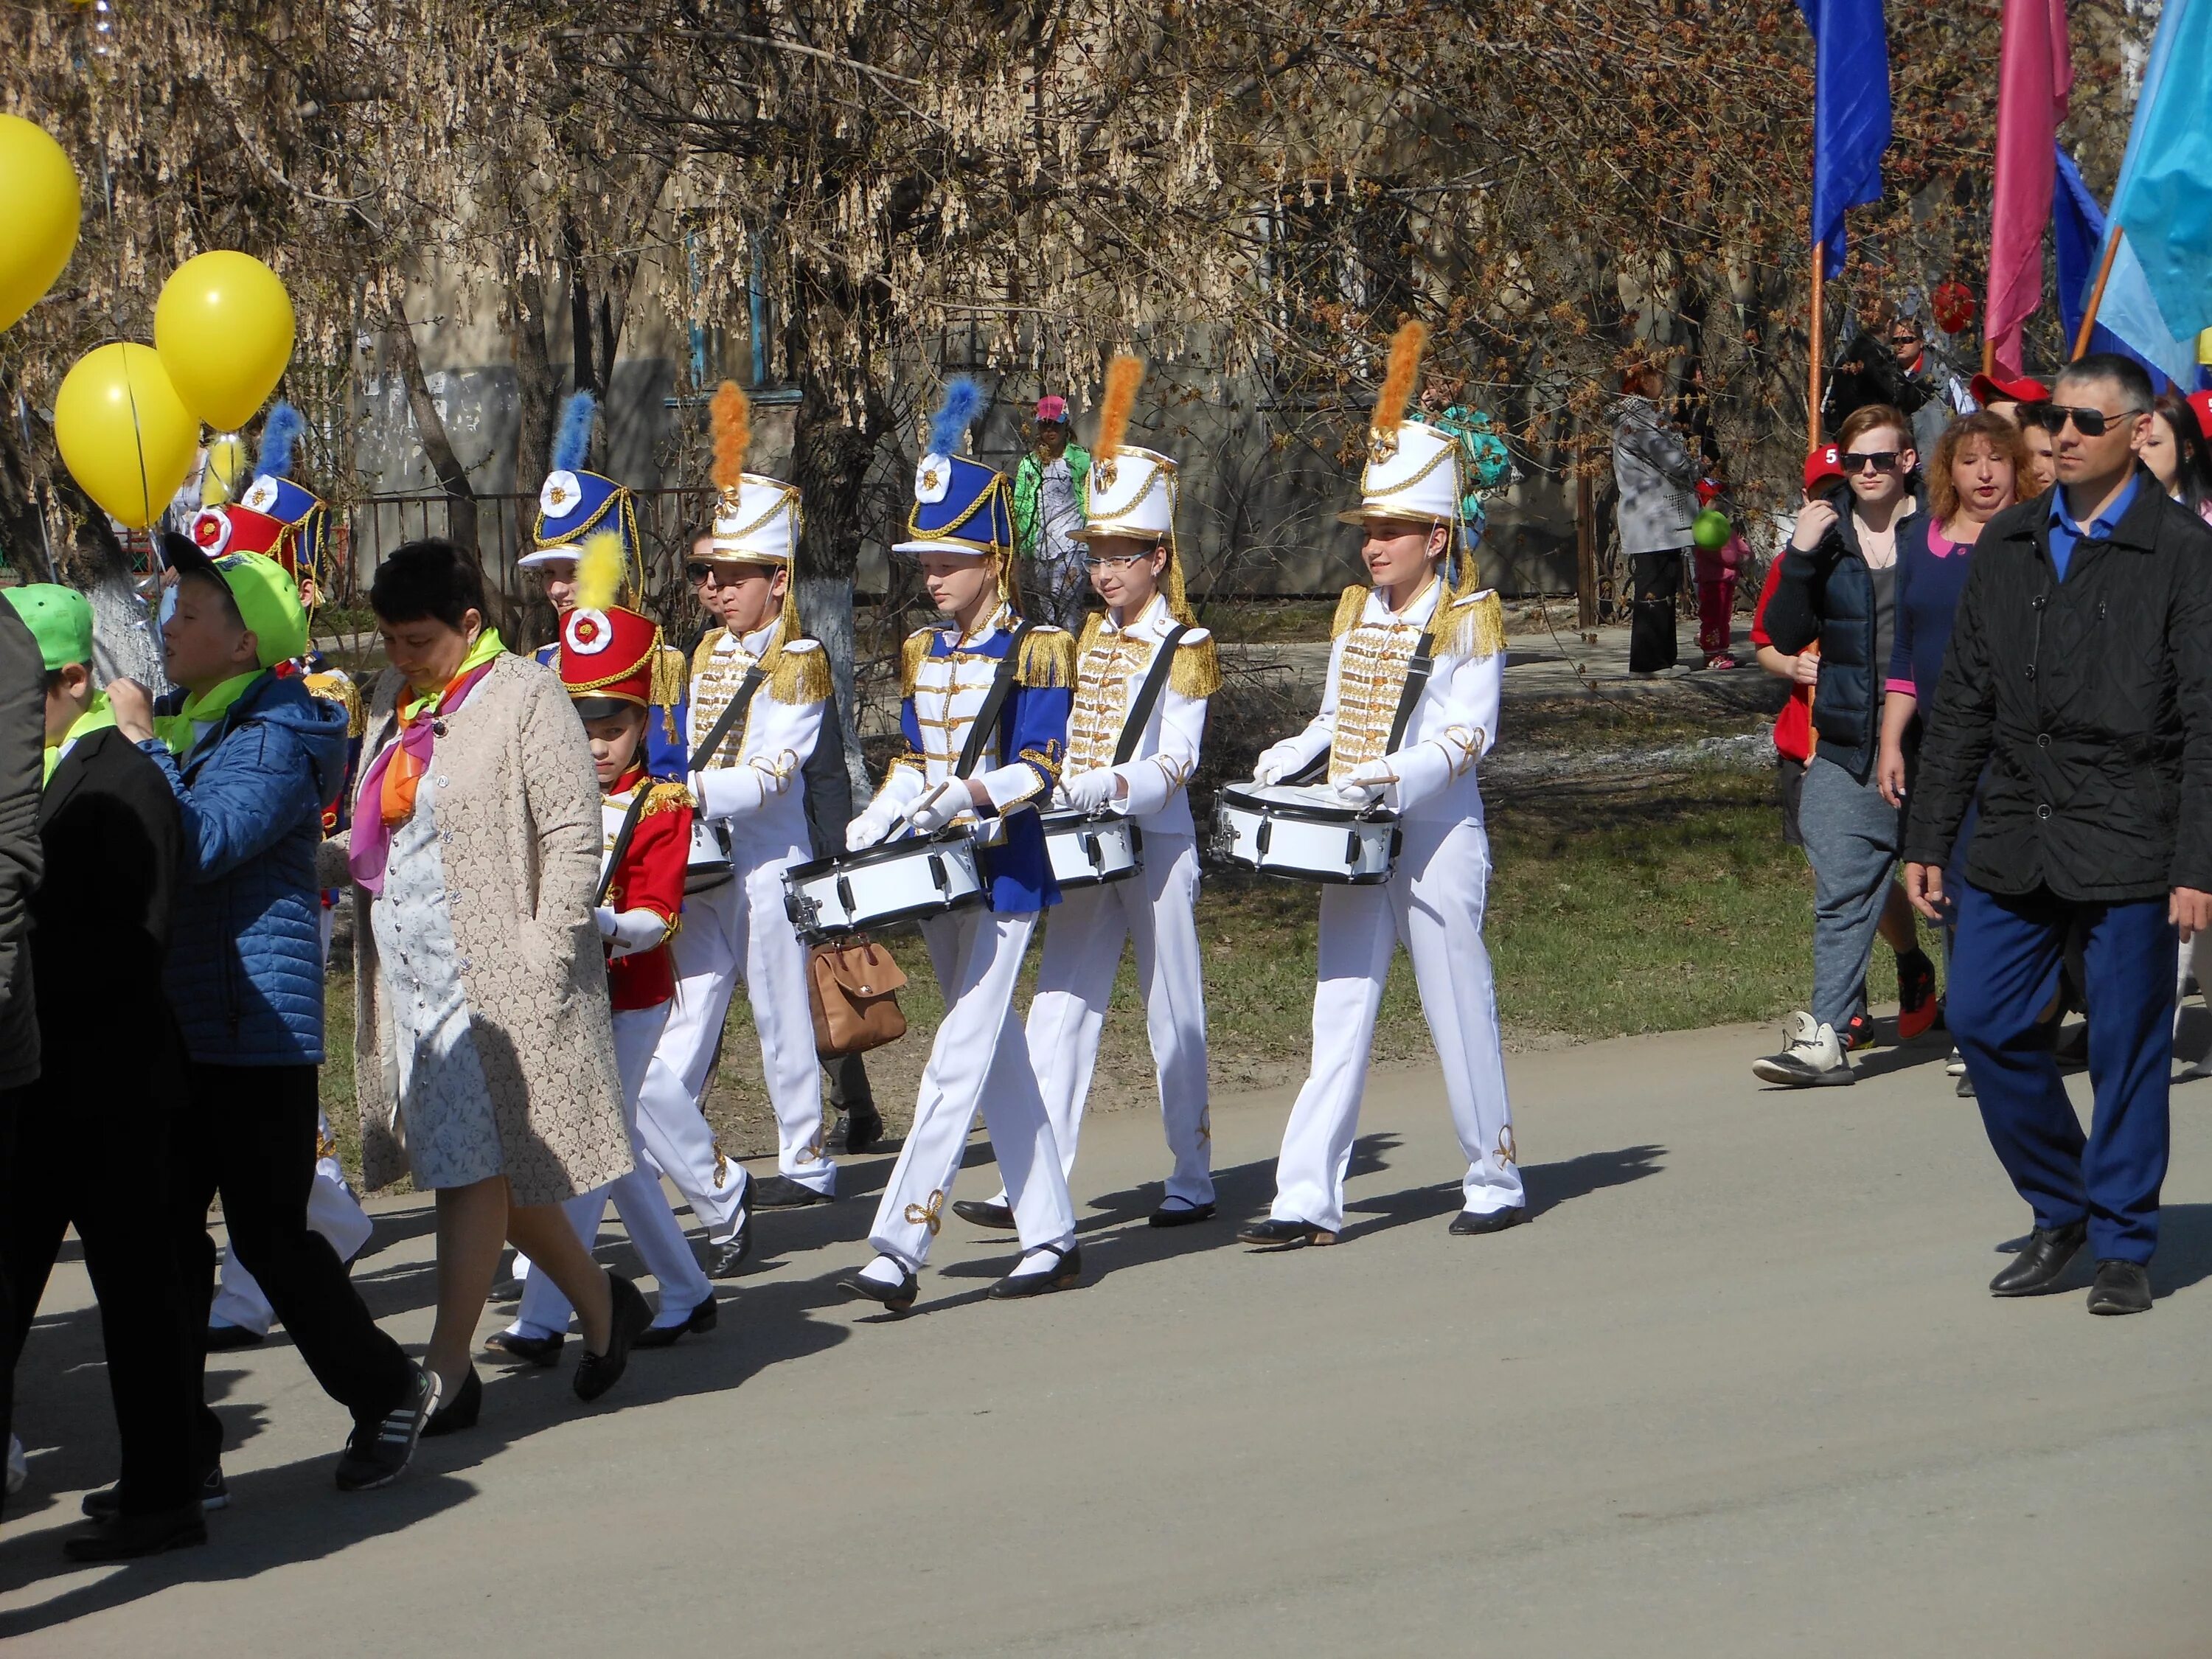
(731, 417)
(599, 572)
(1406, 347)
(226, 472)
(1123, 376)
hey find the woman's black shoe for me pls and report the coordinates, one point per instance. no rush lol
(976, 1213)
(223, 1338)
(1285, 1234)
(597, 1372)
(1063, 1273)
(536, 1350)
(704, 1318)
(127, 1537)
(460, 1412)
(1181, 1215)
(897, 1297)
(1491, 1221)
(726, 1257)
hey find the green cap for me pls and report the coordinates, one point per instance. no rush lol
(60, 620)
(268, 600)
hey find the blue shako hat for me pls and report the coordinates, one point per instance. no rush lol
(960, 506)
(573, 503)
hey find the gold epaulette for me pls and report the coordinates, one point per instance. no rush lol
(1348, 609)
(1473, 627)
(1197, 669)
(911, 656)
(1093, 626)
(670, 682)
(800, 673)
(663, 796)
(1046, 658)
(339, 688)
(702, 657)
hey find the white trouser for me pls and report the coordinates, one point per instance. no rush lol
(1075, 981)
(645, 1216)
(979, 1059)
(333, 1211)
(1433, 902)
(737, 930)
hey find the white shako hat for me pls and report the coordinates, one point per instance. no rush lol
(757, 522)
(1413, 473)
(1132, 493)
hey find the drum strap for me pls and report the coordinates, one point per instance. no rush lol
(1416, 676)
(1141, 712)
(622, 836)
(994, 701)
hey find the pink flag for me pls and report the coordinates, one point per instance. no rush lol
(2035, 73)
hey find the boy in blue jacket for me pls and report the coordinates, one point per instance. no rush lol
(251, 757)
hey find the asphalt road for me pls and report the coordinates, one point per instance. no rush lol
(1738, 1390)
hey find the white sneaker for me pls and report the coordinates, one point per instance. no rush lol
(1958, 1065)
(1811, 1059)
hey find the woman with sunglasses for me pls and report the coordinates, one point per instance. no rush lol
(1839, 586)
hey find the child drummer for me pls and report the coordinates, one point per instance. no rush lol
(1135, 566)
(1425, 593)
(962, 533)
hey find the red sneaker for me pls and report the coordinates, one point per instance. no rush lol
(1917, 1006)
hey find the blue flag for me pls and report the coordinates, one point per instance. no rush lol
(2128, 322)
(1851, 112)
(2163, 199)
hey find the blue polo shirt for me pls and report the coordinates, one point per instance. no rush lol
(2064, 532)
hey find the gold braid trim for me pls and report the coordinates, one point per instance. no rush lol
(662, 796)
(1047, 660)
(703, 657)
(340, 690)
(1473, 627)
(1348, 607)
(1197, 670)
(672, 681)
(1093, 626)
(911, 657)
(800, 674)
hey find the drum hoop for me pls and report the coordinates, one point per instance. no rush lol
(888, 852)
(1306, 812)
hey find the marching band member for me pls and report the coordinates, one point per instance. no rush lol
(1423, 768)
(608, 660)
(962, 533)
(572, 504)
(751, 790)
(1137, 568)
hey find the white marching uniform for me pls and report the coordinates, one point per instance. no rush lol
(1432, 903)
(333, 1211)
(751, 788)
(1153, 910)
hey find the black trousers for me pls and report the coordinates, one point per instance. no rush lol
(848, 1083)
(249, 1133)
(1653, 580)
(72, 1132)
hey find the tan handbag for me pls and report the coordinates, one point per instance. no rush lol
(853, 990)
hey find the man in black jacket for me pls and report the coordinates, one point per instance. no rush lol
(2076, 707)
(111, 1084)
(21, 738)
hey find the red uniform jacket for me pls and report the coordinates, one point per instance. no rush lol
(649, 878)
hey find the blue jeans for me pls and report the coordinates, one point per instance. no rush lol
(2008, 958)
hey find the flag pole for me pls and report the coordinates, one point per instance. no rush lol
(2097, 296)
(1813, 357)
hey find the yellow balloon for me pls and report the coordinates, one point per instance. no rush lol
(39, 208)
(125, 435)
(2204, 346)
(223, 327)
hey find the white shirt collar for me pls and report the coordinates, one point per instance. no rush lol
(1418, 609)
(1145, 621)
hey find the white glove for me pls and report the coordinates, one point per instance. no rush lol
(1089, 791)
(1366, 784)
(938, 806)
(630, 931)
(871, 827)
(1275, 764)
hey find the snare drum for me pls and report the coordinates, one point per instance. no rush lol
(1303, 833)
(1087, 851)
(707, 865)
(878, 887)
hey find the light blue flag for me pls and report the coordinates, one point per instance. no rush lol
(2128, 322)
(2163, 199)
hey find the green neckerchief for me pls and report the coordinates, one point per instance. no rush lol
(488, 646)
(96, 718)
(176, 730)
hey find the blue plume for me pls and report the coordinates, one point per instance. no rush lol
(574, 442)
(948, 427)
(278, 435)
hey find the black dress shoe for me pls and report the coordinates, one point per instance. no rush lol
(460, 1412)
(724, 1259)
(976, 1213)
(704, 1318)
(2122, 1287)
(1495, 1221)
(1180, 1215)
(780, 1192)
(1284, 1234)
(533, 1350)
(106, 1503)
(863, 1128)
(2040, 1260)
(897, 1297)
(509, 1290)
(597, 1372)
(1057, 1277)
(222, 1339)
(127, 1537)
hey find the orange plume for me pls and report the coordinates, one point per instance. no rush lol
(1406, 348)
(731, 415)
(1123, 376)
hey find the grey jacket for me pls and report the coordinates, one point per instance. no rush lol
(1656, 479)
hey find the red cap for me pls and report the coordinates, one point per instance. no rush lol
(1822, 464)
(1988, 388)
(1052, 408)
(2202, 403)
(1708, 490)
(608, 654)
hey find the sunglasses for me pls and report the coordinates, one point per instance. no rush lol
(698, 570)
(1881, 460)
(2089, 422)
